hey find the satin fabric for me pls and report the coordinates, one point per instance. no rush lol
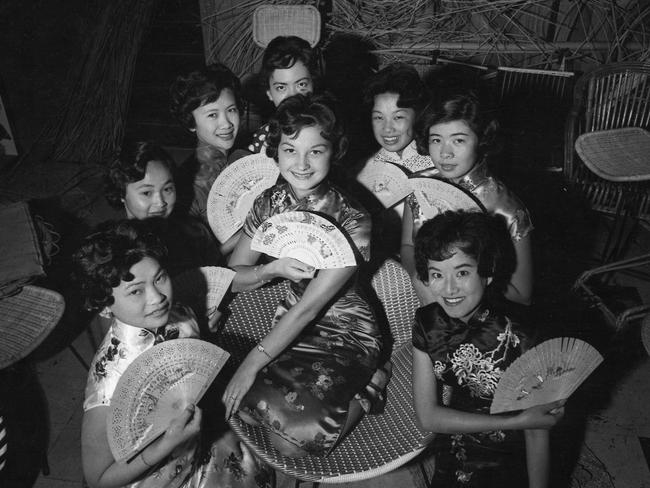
(304, 394)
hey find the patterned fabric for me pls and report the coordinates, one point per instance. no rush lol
(470, 358)
(304, 394)
(492, 193)
(410, 159)
(258, 144)
(223, 465)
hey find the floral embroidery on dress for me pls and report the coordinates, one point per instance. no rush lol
(112, 352)
(279, 200)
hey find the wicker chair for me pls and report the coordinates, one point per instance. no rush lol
(610, 97)
(379, 443)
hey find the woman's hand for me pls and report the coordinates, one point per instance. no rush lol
(238, 386)
(183, 428)
(214, 316)
(542, 416)
(291, 269)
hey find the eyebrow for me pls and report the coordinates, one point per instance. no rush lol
(460, 266)
(454, 134)
(133, 283)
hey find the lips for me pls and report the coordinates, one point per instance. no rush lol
(452, 302)
(159, 312)
(390, 141)
(302, 176)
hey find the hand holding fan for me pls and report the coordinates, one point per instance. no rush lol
(436, 196)
(156, 388)
(551, 371)
(388, 183)
(304, 236)
(234, 191)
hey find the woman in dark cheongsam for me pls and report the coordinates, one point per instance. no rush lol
(301, 380)
(465, 341)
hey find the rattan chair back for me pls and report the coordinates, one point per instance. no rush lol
(379, 443)
(270, 21)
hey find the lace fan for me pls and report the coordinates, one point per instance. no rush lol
(204, 287)
(437, 196)
(154, 390)
(234, 191)
(305, 236)
(413, 164)
(551, 371)
(387, 182)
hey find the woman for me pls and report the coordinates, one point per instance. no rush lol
(304, 380)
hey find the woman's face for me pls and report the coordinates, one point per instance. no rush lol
(287, 82)
(453, 148)
(217, 123)
(304, 159)
(152, 196)
(456, 284)
(146, 300)
(392, 125)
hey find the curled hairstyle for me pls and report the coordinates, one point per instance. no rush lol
(285, 51)
(399, 78)
(482, 236)
(105, 258)
(300, 111)
(200, 87)
(465, 107)
(131, 166)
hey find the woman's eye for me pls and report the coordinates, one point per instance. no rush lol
(170, 189)
(162, 278)
(280, 88)
(233, 110)
(289, 150)
(135, 291)
(434, 140)
(463, 273)
(459, 141)
(316, 152)
(435, 276)
(146, 193)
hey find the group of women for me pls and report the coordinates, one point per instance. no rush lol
(319, 369)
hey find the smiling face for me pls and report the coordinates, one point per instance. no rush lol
(286, 82)
(304, 160)
(456, 284)
(146, 300)
(392, 125)
(217, 123)
(152, 196)
(453, 148)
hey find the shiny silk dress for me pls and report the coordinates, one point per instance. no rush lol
(303, 395)
(214, 462)
(470, 358)
(495, 197)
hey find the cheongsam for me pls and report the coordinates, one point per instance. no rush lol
(258, 144)
(493, 195)
(222, 464)
(410, 159)
(470, 358)
(303, 395)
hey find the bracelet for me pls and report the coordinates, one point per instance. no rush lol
(256, 270)
(262, 349)
(145, 462)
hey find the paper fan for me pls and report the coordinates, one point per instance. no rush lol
(234, 191)
(206, 285)
(413, 164)
(387, 182)
(155, 389)
(305, 236)
(437, 196)
(551, 371)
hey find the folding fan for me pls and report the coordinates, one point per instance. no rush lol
(156, 388)
(388, 182)
(207, 285)
(437, 196)
(551, 371)
(234, 191)
(305, 236)
(413, 163)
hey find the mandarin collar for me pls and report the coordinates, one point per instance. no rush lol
(314, 194)
(129, 334)
(475, 176)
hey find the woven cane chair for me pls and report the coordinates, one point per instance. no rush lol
(270, 21)
(379, 443)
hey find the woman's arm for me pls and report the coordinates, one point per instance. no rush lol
(250, 277)
(438, 418)
(228, 246)
(100, 468)
(520, 288)
(537, 457)
(318, 294)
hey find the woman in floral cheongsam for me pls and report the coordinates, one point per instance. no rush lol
(302, 378)
(465, 341)
(120, 272)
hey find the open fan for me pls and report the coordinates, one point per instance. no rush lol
(551, 371)
(156, 388)
(205, 286)
(234, 191)
(305, 236)
(387, 182)
(413, 164)
(437, 196)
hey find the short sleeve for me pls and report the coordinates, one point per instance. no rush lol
(419, 337)
(257, 214)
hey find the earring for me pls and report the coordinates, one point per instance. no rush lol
(106, 313)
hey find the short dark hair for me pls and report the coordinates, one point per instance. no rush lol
(399, 78)
(131, 166)
(481, 236)
(106, 256)
(299, 111)
(199, 87)
(285, 51)
(465, 107)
